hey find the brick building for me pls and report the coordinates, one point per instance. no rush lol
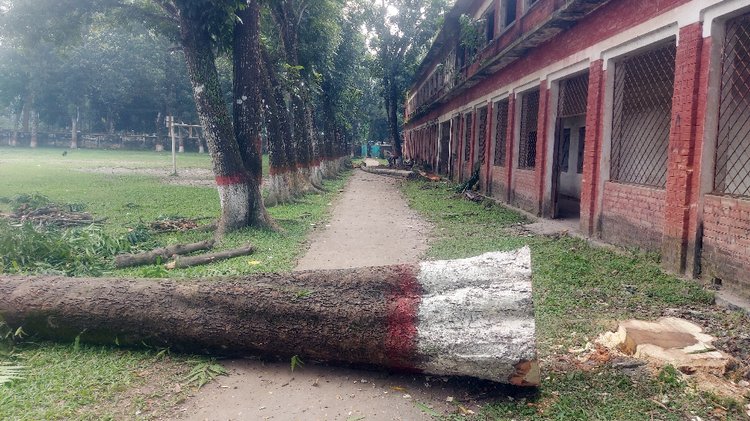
(629, 117)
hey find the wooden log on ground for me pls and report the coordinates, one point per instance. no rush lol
(163, 253)
(470, 317)
(390, 172)
(204, 259)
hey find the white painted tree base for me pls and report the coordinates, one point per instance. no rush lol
(476, 317)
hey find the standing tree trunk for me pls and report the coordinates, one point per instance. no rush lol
(279, 136)
(14, 135)
(304, 178)
(74, 130)
(238, 185)
(392, 106)
(469, 317)
(34, 142)
(25, 112)
(247, 106)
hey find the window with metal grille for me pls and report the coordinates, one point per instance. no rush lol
(482, 135)
(468, 123)
(573, 96)
(501, 131)
(733, 146)
(642, 112)
(527, 141)
(565, 153)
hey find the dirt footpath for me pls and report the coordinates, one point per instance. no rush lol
(370, 225)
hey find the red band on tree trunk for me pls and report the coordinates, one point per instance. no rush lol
(403, 305)
(228, 180)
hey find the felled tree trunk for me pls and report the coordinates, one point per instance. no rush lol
(471, 317)
(390, 172)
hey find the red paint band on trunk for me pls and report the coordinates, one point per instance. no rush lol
(228, 180)
(403, 305)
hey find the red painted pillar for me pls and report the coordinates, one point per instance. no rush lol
(592, 148)
(488, 142)
(541, 146)
(510, 138)
(472, 142)
(685, 141)
(460, 151)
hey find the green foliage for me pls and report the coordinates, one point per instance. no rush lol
(400, 41)
(72, 252)
(204, 371)
(471, 32)
(154, 271)
(296, 362)
(27, 201)
(302, 294)
(75, 60)
(670, 378)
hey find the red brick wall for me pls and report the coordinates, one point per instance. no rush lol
(633, 215)
(524, 193)
(685, 140)
(611, 19)
(592, 148)
(499, 185)
(541, 147)
(694, 213)
(726, 242)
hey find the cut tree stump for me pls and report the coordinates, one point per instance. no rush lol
(470, 317)
(164, 253)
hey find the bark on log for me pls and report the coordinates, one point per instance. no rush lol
(204, 259)
(390, 172)
(164, 253)
(470, 317)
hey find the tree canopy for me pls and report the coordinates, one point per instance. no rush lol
(303, 75)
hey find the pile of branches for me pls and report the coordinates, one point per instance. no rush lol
(39, 210)
(171, 224)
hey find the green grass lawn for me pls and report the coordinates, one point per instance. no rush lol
(127, 201)
(579, 292)
(67, 381)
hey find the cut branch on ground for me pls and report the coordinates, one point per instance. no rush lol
(160, 254)
(204, 259)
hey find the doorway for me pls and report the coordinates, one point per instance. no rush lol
(570, 139)
(444, 148)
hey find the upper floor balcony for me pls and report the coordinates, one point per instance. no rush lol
(480, 38)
